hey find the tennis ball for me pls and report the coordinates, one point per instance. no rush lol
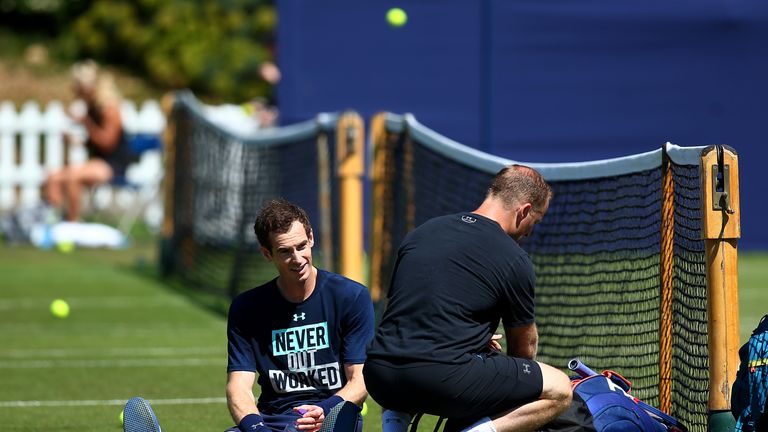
(59, 308)
(397, 17)
(65, 246)
(122, 421)
(364, 411)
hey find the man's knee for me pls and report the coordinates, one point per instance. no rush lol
(556, 386)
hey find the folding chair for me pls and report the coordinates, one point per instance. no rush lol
(417, 418)
(147, 188)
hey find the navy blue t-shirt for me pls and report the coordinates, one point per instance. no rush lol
(299, 350)
(455, 278)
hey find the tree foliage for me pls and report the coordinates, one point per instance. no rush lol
(213, 47)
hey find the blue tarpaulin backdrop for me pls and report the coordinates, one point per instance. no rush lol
(545, 81)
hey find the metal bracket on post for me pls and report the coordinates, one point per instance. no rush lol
(721, 187)
(351, 135)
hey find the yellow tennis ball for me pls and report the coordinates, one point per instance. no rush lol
(65, 246)
(122, 421)
(59, 308)
(364, 411)
(397, 17)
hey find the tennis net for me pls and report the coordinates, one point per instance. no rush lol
(221, 178)
(596, 254)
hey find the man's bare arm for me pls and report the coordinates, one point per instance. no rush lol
(354, 391)
(522, 342)
(240, 399)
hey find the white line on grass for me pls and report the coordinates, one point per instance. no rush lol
(25, 353)
(119, 402)
(102, 329)
(111, 363)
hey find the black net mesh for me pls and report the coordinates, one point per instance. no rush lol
(220, 183)
(597, 261)
(420, 184)
(690, 366)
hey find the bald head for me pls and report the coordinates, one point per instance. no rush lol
(517, 184)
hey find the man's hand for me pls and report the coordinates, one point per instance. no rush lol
(76, 114)
(494, 342)
(311, 419)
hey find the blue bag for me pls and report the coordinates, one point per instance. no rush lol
(613, 408)
(749, 394)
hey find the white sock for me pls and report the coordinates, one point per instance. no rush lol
(395, 421)
(485, 424)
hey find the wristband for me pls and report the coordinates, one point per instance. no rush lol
(252, 423)
(329, 403)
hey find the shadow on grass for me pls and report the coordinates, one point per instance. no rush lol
(149, 269)
(210, 283)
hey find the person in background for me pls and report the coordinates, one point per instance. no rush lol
(265, 110)
(106, 143)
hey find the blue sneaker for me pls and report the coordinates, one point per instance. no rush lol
(139, 417)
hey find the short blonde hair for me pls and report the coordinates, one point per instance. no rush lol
(88, 75)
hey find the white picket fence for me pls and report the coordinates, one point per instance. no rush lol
(32, 143)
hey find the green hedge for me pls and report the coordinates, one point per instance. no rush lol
(212, 47)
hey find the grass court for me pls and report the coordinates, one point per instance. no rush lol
(130, 333)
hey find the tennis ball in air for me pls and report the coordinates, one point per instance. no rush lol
(364, 411)
(397, 17)
(59, 308)
(65, 246)
(122, 420)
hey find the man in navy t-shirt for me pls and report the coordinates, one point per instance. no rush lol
(304, 333)
(456, 278)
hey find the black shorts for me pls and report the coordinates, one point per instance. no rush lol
(484, 386)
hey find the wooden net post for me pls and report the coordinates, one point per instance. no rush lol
(721, 231)
(169, 153)
(167, 228)
(350, 168)
(379, 246)
(323, 229)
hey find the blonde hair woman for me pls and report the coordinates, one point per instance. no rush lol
(108, 152)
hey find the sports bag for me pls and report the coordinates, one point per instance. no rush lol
(576, 418)
(749, 393)
(613, 408)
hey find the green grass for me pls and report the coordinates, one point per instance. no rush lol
(753, 291)
(131, 334)
(127, 335)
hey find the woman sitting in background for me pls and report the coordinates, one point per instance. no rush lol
(108, 152)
